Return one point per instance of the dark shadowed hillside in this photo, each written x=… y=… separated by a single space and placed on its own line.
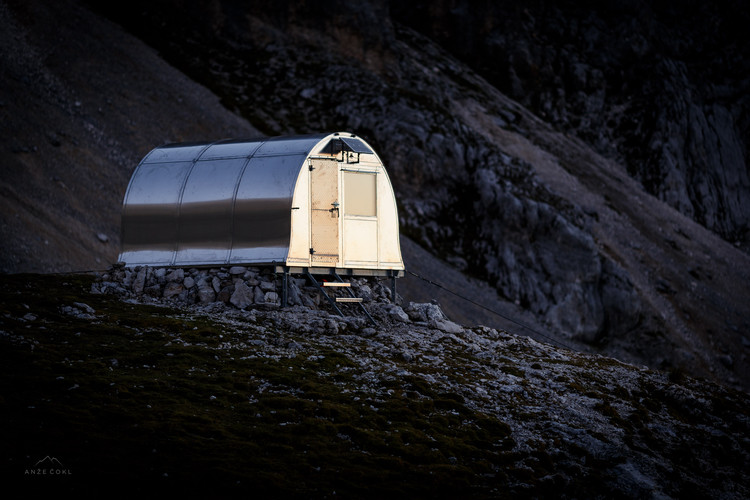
x=543 y=168
x=483 y=183
x=110 y=391
x=81 y=103
x=558 y=231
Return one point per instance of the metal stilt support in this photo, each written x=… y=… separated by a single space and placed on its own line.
x=285 y=287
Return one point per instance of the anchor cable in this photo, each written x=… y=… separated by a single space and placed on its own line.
x=531 y=329
x=438 y=285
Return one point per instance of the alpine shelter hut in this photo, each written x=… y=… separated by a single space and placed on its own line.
x=316 y=204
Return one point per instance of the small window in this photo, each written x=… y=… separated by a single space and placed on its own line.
x=360 y=192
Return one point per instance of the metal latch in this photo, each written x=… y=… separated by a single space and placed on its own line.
x=335 y=207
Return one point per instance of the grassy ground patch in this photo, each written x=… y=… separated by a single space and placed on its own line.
x=138 y=397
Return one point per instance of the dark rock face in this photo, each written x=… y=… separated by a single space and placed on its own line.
x=662 y=88
x=462 y=196
x=482 y=183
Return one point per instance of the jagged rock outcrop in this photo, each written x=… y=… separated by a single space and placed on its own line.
x=664 y=89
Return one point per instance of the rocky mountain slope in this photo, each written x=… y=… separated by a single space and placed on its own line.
x=144 y=383
x=662 y=89
x=557 y=230
x=81 y=103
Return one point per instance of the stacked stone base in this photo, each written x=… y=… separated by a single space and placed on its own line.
x=243 y=288
x=238 y=286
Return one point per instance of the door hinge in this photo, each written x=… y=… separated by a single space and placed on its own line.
x=312 y=251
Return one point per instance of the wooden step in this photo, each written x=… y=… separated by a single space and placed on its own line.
x=348 y=299
x=336 y=283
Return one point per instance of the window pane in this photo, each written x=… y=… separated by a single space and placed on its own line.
x=359 y=189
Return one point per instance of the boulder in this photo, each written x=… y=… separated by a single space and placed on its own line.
x=294 y=298
x=242 y=296
x=206 y=292
x=447 y=326
x=396 y=313
x=365 y=292
x=176 y=275
x=425 y=312
x=225 y=294
x=139 y=282
x=172 y=289
x=159 y=275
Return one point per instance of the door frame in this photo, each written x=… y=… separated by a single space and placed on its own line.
x=333 y=163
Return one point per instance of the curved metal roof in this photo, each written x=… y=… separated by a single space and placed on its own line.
x=218 y=203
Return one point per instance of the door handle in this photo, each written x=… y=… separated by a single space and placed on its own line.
x=335 y=207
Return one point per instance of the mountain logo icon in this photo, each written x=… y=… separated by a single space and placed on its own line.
x=48 y=466
x=49 y=462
